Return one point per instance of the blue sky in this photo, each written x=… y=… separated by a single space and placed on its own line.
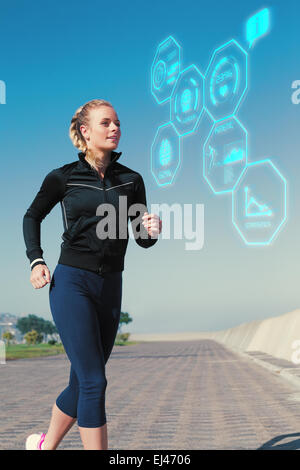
x=55 y=56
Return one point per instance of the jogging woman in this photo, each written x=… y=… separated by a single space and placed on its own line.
x=97 y=195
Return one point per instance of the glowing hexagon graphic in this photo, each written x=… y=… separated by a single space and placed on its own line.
x=187 y=100
x=259 y=203
x=165 y=69
x=165 y=154
x=226 y=80
x=225 y=154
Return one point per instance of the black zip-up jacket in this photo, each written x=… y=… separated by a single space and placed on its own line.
x=80 y=190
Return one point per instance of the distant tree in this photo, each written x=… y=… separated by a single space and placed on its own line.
x=7 y=336
x=49 y=328
x=39 y=324
x=124 y=318
x=33 y=337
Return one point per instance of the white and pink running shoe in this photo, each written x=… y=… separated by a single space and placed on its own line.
x=35 y=441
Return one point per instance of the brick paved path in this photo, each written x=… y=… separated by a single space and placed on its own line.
x=161 y=395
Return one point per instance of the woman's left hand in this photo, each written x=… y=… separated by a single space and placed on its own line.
x=152 y=223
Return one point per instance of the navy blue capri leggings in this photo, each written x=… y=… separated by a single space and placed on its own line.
x=86 y=310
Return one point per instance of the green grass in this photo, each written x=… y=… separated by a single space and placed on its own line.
x=22 y=351
x=126 y=343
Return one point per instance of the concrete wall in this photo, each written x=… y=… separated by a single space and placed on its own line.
x=273 y=335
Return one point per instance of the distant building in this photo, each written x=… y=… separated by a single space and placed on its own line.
x=8 y=322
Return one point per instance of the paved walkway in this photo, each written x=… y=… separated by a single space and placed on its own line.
x=162 y=395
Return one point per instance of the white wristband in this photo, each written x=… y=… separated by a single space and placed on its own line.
x=37 y=259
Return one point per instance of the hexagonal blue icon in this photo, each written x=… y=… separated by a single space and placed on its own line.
x=259 y=203
x=165 y=69
x=165 y=154
x=226 y=80
x=225 y=155
x=187 y=100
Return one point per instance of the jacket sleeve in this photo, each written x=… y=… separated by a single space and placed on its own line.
x=50 y=193
x=141 y=235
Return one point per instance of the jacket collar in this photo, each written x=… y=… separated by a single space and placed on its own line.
x=114 y=157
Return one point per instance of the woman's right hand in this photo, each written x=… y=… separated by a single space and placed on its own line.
x=37 y=276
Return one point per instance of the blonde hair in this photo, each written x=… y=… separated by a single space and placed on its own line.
x=82 y=117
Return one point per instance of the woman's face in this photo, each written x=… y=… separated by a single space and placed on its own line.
x=103 y=132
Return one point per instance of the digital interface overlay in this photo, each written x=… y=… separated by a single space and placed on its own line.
x=258 y=189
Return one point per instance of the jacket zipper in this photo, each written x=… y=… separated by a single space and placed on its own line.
x=105 y=199
x=103 y=180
